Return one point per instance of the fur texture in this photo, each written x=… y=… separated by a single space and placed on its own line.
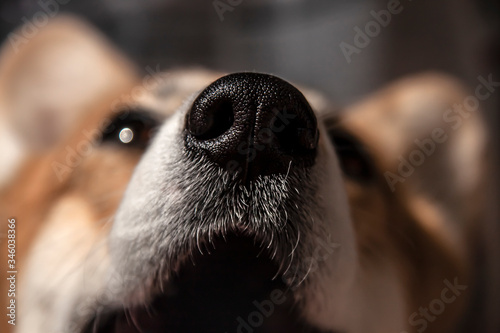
x=103 y=228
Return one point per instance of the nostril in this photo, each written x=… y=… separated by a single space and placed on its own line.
x=295 y=137
x=211 y=122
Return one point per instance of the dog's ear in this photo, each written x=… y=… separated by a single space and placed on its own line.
x=51 y=74
x=426 y=137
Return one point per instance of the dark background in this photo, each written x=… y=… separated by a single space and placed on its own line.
x=299 y=40
x=296 y=39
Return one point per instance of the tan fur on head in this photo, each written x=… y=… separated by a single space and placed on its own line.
x=49 y=80
x=412 y=113
x=49 y=84
x=439 y=199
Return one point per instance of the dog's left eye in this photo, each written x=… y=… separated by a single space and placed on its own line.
x=131 y=129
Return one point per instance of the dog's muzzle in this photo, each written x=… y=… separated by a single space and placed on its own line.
x=255 y=124
x=233 y=212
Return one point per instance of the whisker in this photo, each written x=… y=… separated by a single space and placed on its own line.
x=96 y=322
x=135 y=322
x=198 y=241
x=307 y=273
x=287 y=173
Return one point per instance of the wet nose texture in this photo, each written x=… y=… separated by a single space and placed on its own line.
x=253 y=124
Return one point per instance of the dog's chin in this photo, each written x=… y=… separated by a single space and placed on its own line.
x=233 y=283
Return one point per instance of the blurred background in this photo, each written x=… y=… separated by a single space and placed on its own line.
x=314 y=42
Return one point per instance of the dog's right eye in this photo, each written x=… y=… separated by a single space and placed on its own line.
x=131 y=129
x=354 y=160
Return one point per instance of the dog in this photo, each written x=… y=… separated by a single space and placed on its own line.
x=198 y=201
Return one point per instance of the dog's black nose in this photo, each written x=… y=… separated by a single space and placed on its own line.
x=254 y=123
